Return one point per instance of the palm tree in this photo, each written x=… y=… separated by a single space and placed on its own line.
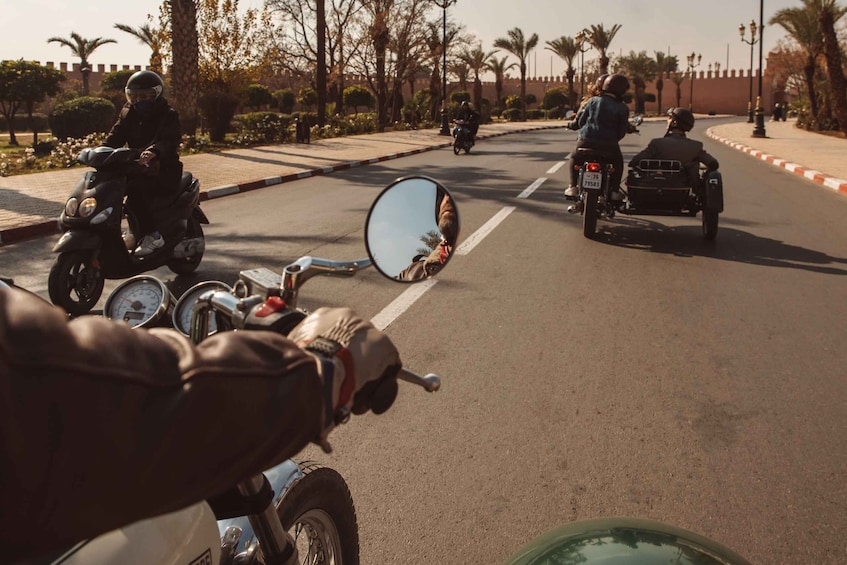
x=802 y=25
x=82 y=48
x=828 y=15
x=677 y=78
x=600 y=39
x=185 y=71
x=520 y=47
x=477 y=59
x=664 y=64
x=640 y=68
x=150 y=37
x=499 y=68
x=567 y=49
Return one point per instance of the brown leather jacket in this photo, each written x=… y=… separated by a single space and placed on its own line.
x=101 y=425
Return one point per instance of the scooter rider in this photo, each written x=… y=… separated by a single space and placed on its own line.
x=103 y=425
x=676 y=146
x=148 y=123
x=603 y=123
x=470 y=116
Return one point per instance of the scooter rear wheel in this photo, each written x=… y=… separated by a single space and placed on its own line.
x=187 y=265
x=75 y=283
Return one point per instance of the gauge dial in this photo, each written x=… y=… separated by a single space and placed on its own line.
x=141 y=301
x=182 y=310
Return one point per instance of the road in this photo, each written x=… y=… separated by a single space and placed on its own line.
x=648 y=373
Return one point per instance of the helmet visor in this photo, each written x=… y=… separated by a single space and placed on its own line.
x=135 y=95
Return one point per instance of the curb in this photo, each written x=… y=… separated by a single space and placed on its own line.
x=48 y=227
x=836 y=184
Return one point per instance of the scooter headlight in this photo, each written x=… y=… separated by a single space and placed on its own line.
x=87 y=207
x=71 y=206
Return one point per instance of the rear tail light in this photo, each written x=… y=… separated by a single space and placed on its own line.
x=592 y=167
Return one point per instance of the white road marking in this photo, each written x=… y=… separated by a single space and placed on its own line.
x=531 y=188
x=556 y=167
x=401 y=304
x=471 y=242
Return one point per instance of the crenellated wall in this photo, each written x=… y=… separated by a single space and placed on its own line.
x=724 y=92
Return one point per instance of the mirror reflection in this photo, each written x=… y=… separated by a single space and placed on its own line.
x=412 y=229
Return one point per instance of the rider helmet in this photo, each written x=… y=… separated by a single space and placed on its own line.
x=144 y=87
x=616 y=84
x=600 y=80
x=681 y=118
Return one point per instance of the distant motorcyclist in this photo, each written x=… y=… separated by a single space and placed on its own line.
x=603 y=123
x=148 y=123
x=596 y=90
x=470 y=116
x=674 y=145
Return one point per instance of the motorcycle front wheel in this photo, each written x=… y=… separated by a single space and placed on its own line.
x=74 y=282
x=456 y=147
x=318 y=513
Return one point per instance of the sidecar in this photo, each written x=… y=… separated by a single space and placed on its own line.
x=665 y=187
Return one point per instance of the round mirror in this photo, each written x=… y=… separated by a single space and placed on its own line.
x=412 y=229
x=637 y=120
x=569 y=114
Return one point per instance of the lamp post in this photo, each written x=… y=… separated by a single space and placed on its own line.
x=753 y=41
x=759 y=129
x=445 y=127
x=581 y=38
x=691 y=66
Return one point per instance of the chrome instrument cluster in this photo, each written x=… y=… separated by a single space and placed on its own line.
x=142 y=302
x=182 y=310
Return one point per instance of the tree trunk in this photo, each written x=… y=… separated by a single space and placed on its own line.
x=832 y=53
x=571 y=94
x=477 y=94
x=660 y=84
x=320 y=78
x=604 y=63
x=523 y=91
x=185 y=72
x=809 y=72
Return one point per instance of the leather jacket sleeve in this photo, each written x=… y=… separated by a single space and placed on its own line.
x=102 y=425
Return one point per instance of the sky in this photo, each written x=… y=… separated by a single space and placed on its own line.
x=676 y=27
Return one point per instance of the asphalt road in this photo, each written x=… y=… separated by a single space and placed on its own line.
x=648 y=373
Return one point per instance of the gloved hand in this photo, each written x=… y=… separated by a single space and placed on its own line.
x=358 y=363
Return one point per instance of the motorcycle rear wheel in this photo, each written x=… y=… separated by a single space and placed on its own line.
x=74 y=283
x=318 y=513
x=710 y=225
x=589 y=215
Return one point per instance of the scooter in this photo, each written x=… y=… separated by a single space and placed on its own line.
x=297 y=512
x=462 y=135
x=95 y=246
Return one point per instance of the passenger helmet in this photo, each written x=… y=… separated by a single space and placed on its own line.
x=616 y=84
x=681 y=118
x=143 y=86
x=600 y=80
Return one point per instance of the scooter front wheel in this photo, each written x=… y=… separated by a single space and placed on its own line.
x=318 y=513
x=187 y=265
x=75 y=283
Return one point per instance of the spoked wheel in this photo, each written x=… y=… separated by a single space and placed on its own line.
x=318 y=513
x=710 y=225
x=186 y=265
x=589 y=215
x=75 y=283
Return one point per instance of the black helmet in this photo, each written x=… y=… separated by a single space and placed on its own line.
x=600 y=80
x=681 y=118
x=616 y=84
x=465 y=104
x=143 y=85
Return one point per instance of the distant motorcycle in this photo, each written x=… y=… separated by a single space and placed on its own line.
x=463 y=140
x=95 y=246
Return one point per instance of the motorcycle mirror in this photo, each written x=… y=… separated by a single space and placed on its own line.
x=569 y=114
x=637 y=120
x=412 y=229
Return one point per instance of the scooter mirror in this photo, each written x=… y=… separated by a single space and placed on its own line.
x=637 y=120
x=412 y=229
x=569 y=114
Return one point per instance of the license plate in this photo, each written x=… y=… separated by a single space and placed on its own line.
x=592 y=180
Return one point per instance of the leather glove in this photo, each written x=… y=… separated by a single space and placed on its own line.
x=357 y=363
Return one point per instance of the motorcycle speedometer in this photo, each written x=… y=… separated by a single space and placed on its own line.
x=185 y=304
x=142 y=302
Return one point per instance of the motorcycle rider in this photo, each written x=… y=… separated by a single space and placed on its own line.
x=148 y=123
x=103 y=425
x=596 y=90
x=470 y=117
x=603 y=123
x=423 y=266
x=676 y=146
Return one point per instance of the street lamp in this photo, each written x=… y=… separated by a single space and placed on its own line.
x=759 y=129
x=445 y=127
x=691 y=66
x=753 y=41
x=581 y=39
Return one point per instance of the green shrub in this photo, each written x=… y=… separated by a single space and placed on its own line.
x=265 y=127
x=285 y=100
x=556 y=97
x=21 y=122
x=357 y=95
x=513 y=101
x=217 y=108
x=81 y=116
x=460 y=96
x=535 y=114
x=512 y=114
x=258 y=95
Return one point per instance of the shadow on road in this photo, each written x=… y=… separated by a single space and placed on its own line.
x=730 y=245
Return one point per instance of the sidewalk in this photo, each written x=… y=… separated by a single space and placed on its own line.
x=30 y=204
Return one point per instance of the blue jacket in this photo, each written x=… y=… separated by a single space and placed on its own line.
x=603 y=120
